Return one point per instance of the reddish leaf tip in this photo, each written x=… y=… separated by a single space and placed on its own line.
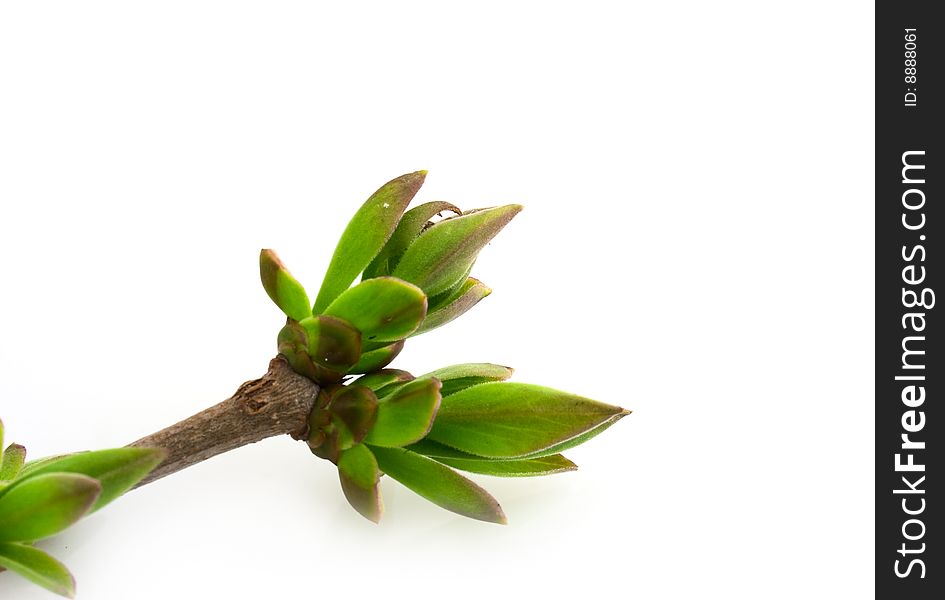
x=270 y=254
x=414 y=179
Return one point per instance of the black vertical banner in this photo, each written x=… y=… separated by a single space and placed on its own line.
x=910 y=373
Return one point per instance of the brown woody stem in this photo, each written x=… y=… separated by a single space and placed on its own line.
x=277 y=403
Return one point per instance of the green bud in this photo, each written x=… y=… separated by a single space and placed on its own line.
x=341 y=421
x=285 y=291
x=443 y=254
x=411 y=225
x=333 y=343
x=293 y=345
x=356 y=408
x=321 y=348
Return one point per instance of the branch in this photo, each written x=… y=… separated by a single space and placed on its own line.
x=277 y=403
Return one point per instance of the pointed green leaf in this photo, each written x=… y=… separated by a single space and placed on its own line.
x=12 y=461
x=449 y=455
x=506 y=420
x=406 y=415
x=36 y=463
x=37 y=567
x=471 y=292
x=44 y=505
x=116 y=469
x=366 y=234
x=333 y=343
x=371 y=346
x=379 y=358
x=428 y=447
x=460 y=377
x=441 y=256
x=378 y=380
x=529 y=467
x=285 y=291
x=359 y=474
x=450 y=294
x=384 y=309
x=411 y=225
x=577 y=440
x=439 y=484
x=355 y=406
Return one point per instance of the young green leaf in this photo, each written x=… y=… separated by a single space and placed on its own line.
x=372 y=360
x=471 y=292
x=37 y=567
x=44 y=505
x=428 y=447
x=411 y=225
x=460 y=377
x=546 y=463
x=508 y=420
x=577 y=440
x=406 y=415
x=36 y=463
x=441 y=256
x=366 y=234
x=116 y=469
x=359 y=474
x=12 y=461
x=384 y=309
x=378 y=380
x=355 y=408
x=529 y=467
x=285 y=291
x=439 y=484
x=450 y=294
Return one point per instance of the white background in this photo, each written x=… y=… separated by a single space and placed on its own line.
x=696 y=246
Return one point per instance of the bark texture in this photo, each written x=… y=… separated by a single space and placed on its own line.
x=277 y=403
